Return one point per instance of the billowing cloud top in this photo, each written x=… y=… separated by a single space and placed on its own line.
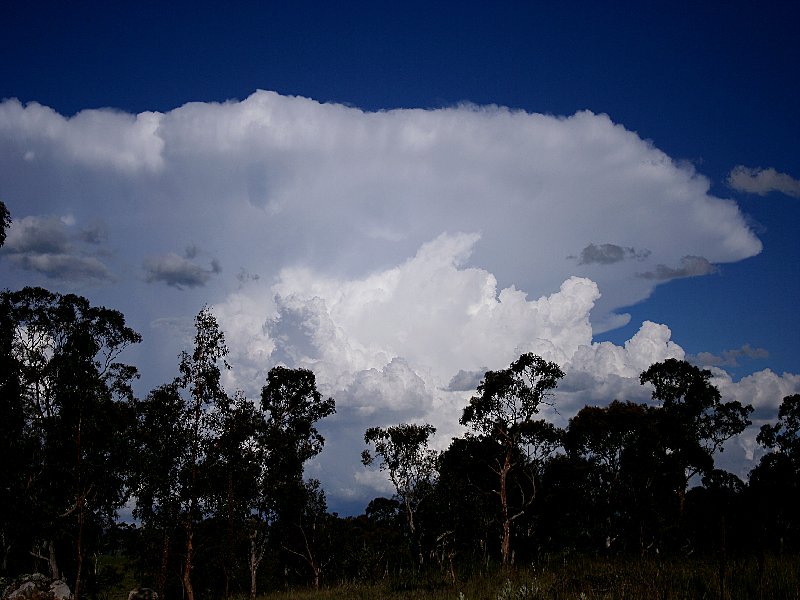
x=398 y=253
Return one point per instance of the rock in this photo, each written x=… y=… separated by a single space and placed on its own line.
x=142 y=594
x=36 y=587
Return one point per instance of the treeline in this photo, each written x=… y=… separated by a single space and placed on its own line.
x=222 y=506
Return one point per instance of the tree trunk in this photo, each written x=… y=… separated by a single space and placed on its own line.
x=256 y=554
x=228 y=559
x=187 y=568
x=162 y=575
x=51 y=548
x=253 y=573
x=505 y=547
x=79 y=543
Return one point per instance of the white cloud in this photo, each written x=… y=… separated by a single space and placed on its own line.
x=96 y=138
x=397 y=253
x=763 y=181
x=432 y=310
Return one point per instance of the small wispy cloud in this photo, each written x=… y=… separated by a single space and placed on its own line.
x=691 y=266
x=608 y=254
x=763 y=181
x=179 y=271
x=48 y=245
x=728 y=358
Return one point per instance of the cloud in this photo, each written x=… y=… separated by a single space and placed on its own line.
x=49 y=246
x=431 y=307
x=608 y=254
x=399 y=253
x=96 y=138
x=466 y=381
x=178 y=271
x=729 y=358
x=763 y=181
x=691 y=266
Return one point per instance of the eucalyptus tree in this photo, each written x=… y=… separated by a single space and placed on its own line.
x=291 y=405
x=504 y=410
x=694 y=423
x=160 y=443
x=233 y=468
x=69 y=399
x=610 y=439
x=200 y=377
x=310 y=540
x=775 y=481
x=5 y=222
x=402 y=451
x=178 y=426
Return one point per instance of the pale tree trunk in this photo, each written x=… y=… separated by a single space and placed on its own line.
x=413 y=529
x=187 y=567
x=505 y=547
x=256 y=555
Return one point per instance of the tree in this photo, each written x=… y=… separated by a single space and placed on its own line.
x=160 y=443
x=69 y=399
x=5 y=223
x=694 y=422
x=404 y=453
x=291 y=406
x=311 y=543
x=200 y=374
x=609 y=438
x=632 y=470
x=234 y=466
x=504 y=410
x=775 y=482
x=463 y=512
x=784 y=436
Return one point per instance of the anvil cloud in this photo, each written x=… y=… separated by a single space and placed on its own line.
x=398 y=253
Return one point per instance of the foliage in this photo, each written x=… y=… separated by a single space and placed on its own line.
x=66 y=404
x=404 y=453
x=5 y=222
x=504 y=408
x=602 y=509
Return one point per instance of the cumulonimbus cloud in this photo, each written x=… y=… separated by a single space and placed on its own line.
x=398 y=253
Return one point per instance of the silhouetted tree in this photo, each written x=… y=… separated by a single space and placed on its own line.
x=160 y=441
x=291 y=406
x=70 y=401
x=411 y=465
x=694 y=422
x=5 y=222
x=775 y=482
x=613 y=440
x=504 y=409
x=233 y=468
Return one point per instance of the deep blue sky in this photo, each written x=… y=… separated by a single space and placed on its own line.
x=714 y=83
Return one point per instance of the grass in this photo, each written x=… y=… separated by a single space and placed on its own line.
x=588 y=579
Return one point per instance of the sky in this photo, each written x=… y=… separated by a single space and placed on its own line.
x=401 y=196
